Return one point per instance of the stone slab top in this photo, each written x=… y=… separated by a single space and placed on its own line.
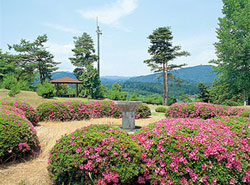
x=128 y=106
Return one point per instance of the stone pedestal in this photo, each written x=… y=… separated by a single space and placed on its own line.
x=128 y=109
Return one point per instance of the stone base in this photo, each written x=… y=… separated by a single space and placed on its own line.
x=128 y=120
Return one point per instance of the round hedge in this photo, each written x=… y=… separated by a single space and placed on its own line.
x=18 y=137
x=193 y=151
x=97 y=154
x=29 y=111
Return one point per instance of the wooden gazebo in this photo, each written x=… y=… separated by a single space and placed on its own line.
x=66 y=80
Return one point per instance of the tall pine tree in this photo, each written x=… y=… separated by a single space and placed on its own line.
x=33 y=57
x=163 y=51
x=83 y=54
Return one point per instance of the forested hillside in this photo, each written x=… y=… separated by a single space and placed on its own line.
x=150 y=84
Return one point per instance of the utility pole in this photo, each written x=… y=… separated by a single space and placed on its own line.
x=99 y=32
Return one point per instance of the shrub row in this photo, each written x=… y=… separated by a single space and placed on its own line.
x=65 y=111
x=172 y=151
x=29 y=111
x=18 y=137
x=203 y=110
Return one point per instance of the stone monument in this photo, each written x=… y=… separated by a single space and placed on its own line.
x=128 y=109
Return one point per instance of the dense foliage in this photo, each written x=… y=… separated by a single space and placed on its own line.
x=201 y=110
x=18 y=137
x=46 y=90
x=96 y=154
x=193 y=151
x=29 y=112
x=233 y=48
x=33 y=58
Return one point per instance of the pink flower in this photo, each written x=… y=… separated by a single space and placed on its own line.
x=232 y=181
x=141 y=180
x=204 y=166
x=81 y=166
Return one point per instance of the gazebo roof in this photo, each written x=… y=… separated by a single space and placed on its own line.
x=66 y=80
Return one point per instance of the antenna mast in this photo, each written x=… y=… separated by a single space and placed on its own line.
x=99 y=32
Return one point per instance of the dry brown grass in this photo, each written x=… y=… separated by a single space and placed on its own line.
x=34 y=172
x=32 y=98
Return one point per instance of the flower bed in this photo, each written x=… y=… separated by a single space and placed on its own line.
x=18 y=137
x=201 y=110
x=97 y=154
x=193 y=151
x=65 y=111
x=29 y=111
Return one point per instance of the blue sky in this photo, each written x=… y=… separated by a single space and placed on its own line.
x=125 y=25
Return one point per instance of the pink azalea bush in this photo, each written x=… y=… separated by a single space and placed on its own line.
x=29 y=111
x=98 y=155
x=201 y=110
x=194 y=151
x=65 y=111
x=62 y=111
x=18 y=137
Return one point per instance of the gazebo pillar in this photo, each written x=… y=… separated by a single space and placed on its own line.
x=76 y=90
x=56 y=87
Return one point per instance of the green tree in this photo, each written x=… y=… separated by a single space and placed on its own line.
x=46 y=90
x=91 y=81
x=32 y=57
x=116 y=92
x=163 y=52
x=134 y=97
x=83 y=54
x=222 y=93
x=7 y=66
x=204 y=93
x=233 y=46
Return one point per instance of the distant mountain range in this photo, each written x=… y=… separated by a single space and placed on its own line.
x=196 y=74
x=149 y=84
x=201 y=73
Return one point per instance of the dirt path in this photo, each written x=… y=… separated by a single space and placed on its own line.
x=34 y=172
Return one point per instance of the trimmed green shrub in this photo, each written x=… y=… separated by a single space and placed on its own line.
x=142 y=112
x=160 y=109
x=18 y=137
x=97 y=154
x=46 y=90
x=193 y=151
x=14 y=91
x=29 y=111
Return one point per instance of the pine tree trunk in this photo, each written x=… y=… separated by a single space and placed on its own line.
x=41 y=78
x=164 y=83
x=244 y=96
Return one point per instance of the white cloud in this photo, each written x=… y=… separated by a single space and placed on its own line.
x=111 y=13
x=62 y=52
x=62 y=28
